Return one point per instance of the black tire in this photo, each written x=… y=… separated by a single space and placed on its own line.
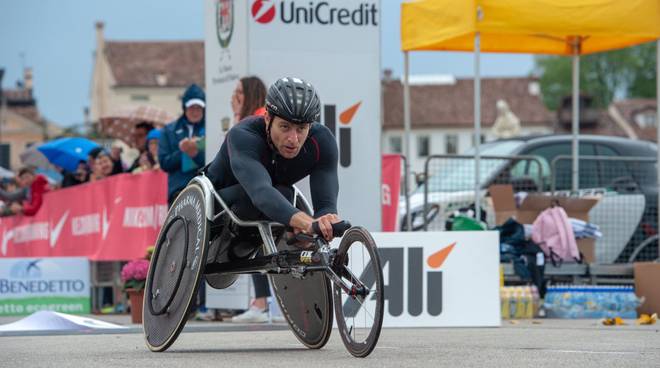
x=357 y=253
x=176 y=269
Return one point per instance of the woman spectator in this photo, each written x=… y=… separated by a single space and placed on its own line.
x=102 y=167
x=248 y=98
x=81 y=175
x=149 y=159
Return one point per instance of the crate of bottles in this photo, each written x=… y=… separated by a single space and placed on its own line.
x=519 y=302
x=591 y=301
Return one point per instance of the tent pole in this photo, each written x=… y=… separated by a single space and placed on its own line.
x=576 y=113
x=477 y=125
x=406 y=133
x=657 y=126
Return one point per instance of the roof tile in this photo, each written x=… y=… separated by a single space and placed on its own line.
x=451 y=105
x=138 y=64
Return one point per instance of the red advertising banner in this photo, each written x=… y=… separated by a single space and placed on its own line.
x=391 y=182
x=110 y=220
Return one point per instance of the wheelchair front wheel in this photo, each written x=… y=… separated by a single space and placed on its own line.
x=359 y=312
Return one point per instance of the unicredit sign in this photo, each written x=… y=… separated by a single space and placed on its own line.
x=310 y=12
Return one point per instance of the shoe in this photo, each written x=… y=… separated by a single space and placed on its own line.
x=252 y=315
x=205 y=316
x=277 y=319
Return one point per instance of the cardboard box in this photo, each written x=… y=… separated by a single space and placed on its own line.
x=504 y=206
x=647 y=275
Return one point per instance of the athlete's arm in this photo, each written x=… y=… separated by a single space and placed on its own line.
x=324 y=183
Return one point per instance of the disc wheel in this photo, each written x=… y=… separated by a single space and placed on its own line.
x=306 y=306
x=359 y=312
x=176 y=268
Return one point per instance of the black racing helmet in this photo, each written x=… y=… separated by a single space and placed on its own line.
x=294 y=100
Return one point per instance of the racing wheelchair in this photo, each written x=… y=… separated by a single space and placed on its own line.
x=306 y=282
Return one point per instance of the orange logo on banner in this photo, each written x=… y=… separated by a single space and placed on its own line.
x=436 y=259
x=347 y=115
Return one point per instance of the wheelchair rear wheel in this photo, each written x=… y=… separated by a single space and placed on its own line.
x=176 y=268
x=306 y=305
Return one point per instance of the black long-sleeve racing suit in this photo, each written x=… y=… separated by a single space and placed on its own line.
x=248 y=168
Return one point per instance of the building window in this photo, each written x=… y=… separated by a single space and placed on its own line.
x=451 y=144
x=139 y=97
x=395 y=144
x=645 y=119
x=423 y=143
x=482 y=140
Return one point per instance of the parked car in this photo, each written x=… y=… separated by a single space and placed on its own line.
x=450 y=182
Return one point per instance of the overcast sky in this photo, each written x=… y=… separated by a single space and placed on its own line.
x=56 y=39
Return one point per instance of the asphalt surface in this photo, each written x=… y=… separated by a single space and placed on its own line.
x=542 y=343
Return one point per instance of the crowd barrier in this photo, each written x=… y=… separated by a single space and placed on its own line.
x=114 y=219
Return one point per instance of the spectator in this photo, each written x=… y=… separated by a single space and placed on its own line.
x=140 y=133
x=115 y=156
x=9 y=193
x=181 y=144
x=81 y=175
x=149 y=158
x=103 y=166
x=248 y=99
x=36 y=185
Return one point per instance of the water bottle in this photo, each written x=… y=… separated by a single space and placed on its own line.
x=504 y=301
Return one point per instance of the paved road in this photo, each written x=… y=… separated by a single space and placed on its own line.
x=548 y=343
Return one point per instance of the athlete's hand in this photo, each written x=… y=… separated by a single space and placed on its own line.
x=325 y=224
x=301 y=223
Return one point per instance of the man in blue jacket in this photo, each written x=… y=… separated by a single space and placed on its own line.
x=181 y=145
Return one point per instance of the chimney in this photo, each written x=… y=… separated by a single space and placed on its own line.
x=387 y=75
x=100 y=40
x=27 y=79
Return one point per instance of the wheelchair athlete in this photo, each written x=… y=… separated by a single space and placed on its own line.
x=263 y=156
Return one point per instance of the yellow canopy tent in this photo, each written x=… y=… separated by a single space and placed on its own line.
x=561 y=27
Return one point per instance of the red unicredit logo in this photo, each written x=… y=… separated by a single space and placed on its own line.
x=321 y=13
x=263 y=11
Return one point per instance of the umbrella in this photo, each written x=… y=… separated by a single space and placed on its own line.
x=67 y=152
x=33 y=157
x=121 y=123
x=5 y=174
x=53 y=176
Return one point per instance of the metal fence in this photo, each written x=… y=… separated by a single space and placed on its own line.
x=627 y=188
x=627 y=210
x=449 y=186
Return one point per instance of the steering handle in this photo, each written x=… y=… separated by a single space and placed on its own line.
x=338 y=230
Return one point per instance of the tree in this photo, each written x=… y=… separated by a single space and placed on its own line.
x=625 y=73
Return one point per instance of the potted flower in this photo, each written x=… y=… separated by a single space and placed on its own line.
x=134 y=276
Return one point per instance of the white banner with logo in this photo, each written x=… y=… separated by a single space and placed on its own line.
x=439 y=279
x=335 y=46
x=28 y=285
x=226 y=61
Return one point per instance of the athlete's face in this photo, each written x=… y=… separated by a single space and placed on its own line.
x=287 y=137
